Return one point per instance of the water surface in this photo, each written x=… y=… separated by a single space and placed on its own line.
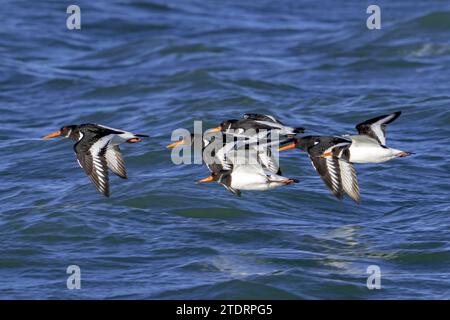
x=154 y=67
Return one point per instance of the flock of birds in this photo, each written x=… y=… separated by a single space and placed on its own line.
x=97 y=149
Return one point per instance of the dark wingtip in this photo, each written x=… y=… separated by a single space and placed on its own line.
x=299 y=130
x=340 y=196
x=397 y=114
x=142 y=135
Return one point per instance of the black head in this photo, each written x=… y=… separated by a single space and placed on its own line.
x=307 y=142
x=221 y=176
x=70 y=131
x=303 y=143
x=227 y=124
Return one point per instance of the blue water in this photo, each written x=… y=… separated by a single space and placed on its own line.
x=153 y=67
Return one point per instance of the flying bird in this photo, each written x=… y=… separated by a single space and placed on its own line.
x=335 y=169
x=253 y=123
x=255 y=170
x=248 y=177
x=222 y=148
x=369 y=145
x=235 y=169
x=332 y=156
x=97 y=149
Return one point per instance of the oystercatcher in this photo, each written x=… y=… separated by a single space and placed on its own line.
x=97 y=149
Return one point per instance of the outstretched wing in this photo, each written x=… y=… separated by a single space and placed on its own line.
x=376 y=127
x=115 y=161
x=232 y=152
x=349 y=180
x=91 y=157
x=223 y=156
x=329 y=170
x=232 y=190
x=110 y=130
x=330 y=158
x=262 y=117
x=268 y=161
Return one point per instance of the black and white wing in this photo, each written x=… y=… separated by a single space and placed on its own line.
x=91 y=157
x=224 y=156
x=111 y=130
x=232 y=190
x=256 y=145
x=331 y=167
x=262 y=117
x=115 y=161
x=329 y=170
x=268 y=161
x=268 y=122
x=349 y=180
x=376 y=127
x=340 y=147
x=230 y=152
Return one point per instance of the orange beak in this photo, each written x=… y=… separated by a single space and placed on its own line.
x=328 y=154
x=173 y=145
x=52 y=135
x=209 y=179
x=218 y=129
x=289 y=146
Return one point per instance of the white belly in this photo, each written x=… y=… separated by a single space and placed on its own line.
x=253 y=177
x=368 y=151
x=249 y=178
